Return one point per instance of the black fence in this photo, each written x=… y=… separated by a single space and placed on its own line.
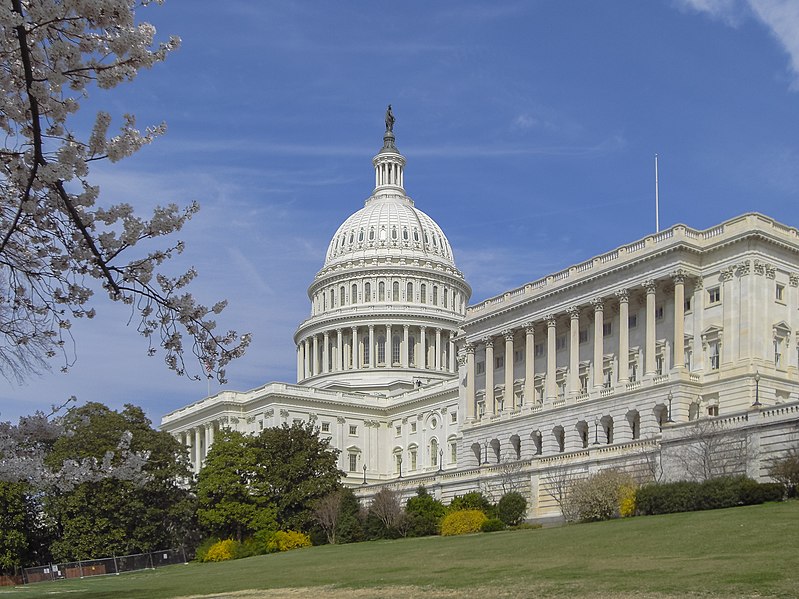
x=103 y=566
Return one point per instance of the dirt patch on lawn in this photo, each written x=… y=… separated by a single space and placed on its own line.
x=397 y=592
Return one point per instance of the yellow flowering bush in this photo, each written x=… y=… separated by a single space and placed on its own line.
x=286 y=540
x=627 y=501
x=461 y=522
x=220 y=551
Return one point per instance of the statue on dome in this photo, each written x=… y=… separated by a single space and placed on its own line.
x=390 y=119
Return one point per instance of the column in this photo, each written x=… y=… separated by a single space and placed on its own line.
x=422 y=358
x=389 y=347
x=315 y=354
x=574 y=351
x=339 y=349
x=371 y=346
x=197 y=451
x=599 y=354
x=489 y=386
x=529 y=363
x=438 y=349
x=210 y=436
x=356 y=353
x=404 y=348
x=299 y=362
x=624 y=335
x=679 y=319
x=307 y=355
x=551 y=385
x=451 y=352
x=470 y=399
x=509 y=397
x=326 y=352
x=649 y=351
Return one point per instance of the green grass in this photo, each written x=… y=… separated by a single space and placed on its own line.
x=741 y=552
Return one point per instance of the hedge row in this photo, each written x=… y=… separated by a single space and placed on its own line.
x=686 y=496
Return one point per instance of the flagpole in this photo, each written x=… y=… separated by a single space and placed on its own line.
x=657 y=206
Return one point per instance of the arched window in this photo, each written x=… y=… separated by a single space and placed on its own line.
x=341 y=295
x=434 y=452
x=382 y=233
x=367 y=292
x=381 y=291
x=445 y=297
x=352 y=237
x=332 y=298
x=394 y=233
x=415 y=234
x=354 y=294
x=560 y=438
x=405 y=233
x=395 y=291
x=371 y=234
x=366 y=350
x=435 y=295
x=411 y=352
x=324 y=301
x=423 y=293
x=360 y=236
x=395 y=349
x=409 y=293
x=381 y=349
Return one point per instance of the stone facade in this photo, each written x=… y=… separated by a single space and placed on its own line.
x=614 y=362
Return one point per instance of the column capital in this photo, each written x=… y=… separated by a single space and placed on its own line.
x=598 y=304
x=623 y=295
x=679 y=276
x=406 y=326
x=529 y=327
x=339 y=330
x=508 y=334
x=649 y=285
x=574 y=312
x=488 y=342
x=469 y=348
x=439 y=329
x=462 y=359
x=551 y=320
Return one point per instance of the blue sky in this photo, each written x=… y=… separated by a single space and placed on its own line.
x=529 y=128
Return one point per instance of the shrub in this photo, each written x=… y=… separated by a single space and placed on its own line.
x=785 y=471
x=492 y=525
x=286 y=540
x=512 y=508
x=687 y=496
x=461 y=522
x=627 y=501
x=599 y=497
x=221 y=551
x=425 y=513
x=202 y=548
x=472 y=501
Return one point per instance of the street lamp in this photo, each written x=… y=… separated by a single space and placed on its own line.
x=670 y=398
x=485 y=445
x=757 y=403
x=399 y=461
x=596 y=430
x=440 y=459
x=364 y=475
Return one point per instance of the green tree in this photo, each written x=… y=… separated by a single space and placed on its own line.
x=425 y=513
x=474 y=500
x=228 y=507
x=112 y=515
x=512 y=508
x=16 y=525
x=280 y=473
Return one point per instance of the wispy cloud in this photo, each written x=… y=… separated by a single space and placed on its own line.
x=781 y=17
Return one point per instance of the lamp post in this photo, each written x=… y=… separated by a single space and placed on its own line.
x=757 y=390
x=364 y=475
x=399 y=461
x=485 y=445
x=440 y=459
x=596 y=430
x=670 y=398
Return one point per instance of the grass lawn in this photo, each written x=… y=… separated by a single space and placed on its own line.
x=748 y=551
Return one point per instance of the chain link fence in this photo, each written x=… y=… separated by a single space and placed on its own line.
x=106 y=565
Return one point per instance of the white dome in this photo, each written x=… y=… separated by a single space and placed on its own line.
x=391 y=224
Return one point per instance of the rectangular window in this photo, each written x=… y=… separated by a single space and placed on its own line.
x=780 y=293
x=453 y=417
x=583 y=335
x=518 y=356
x=260 y=425
x=500 y=360
x=413 y=427
x=714 y=355
x=353 y=429
x=397 y=462
x=777 y=353
x=659 y=313
x=632 y=321
x=560 y=343
x=325 y=427
x=480 y=368
x=583 y=383
x=607 y=329
x=453 y=453
x=714 y=295
x=413 y=459
x=539 y=350
x=398 y=430
x=659 y=364
x=687 y=304
x=353 y=462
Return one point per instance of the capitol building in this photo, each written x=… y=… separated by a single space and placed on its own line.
x=620 y=361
